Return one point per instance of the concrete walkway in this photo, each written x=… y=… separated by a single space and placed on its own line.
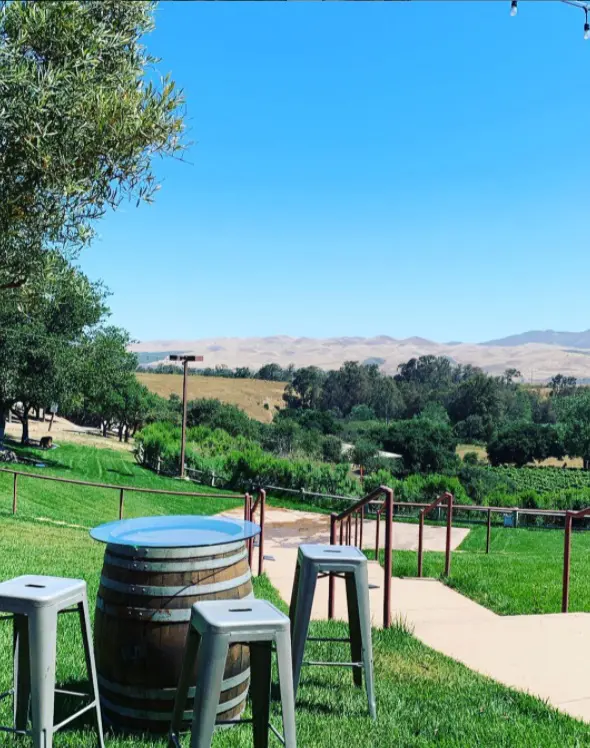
x=545 y=655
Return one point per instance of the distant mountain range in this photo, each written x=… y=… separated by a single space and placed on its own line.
x=546 y=337
x=539 y=355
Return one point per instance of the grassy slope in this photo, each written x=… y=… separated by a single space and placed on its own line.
x=89 y=506
x=249 y=394
x=424 y=699
x=521 y=575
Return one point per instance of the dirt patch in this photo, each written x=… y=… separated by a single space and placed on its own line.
x=63 y=430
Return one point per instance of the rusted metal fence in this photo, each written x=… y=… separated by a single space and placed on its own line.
x=382 y=497
x=250 y=505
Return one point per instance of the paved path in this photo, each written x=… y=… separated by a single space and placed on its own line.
x=546 y=655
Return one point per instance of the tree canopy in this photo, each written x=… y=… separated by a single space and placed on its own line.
x=81 y=118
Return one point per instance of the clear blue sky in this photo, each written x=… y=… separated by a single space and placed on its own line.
x=417 y=168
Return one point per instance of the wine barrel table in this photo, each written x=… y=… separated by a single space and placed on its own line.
x=154 y=570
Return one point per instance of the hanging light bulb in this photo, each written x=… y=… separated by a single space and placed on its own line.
x=586 y=26
x=513 y=8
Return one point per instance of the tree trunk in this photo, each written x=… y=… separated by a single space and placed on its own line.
x=2 y=425
x=105 y=429
x=120 y=430
x=126 y=434
x=25 y=422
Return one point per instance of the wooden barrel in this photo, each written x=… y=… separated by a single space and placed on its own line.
x=142 y=616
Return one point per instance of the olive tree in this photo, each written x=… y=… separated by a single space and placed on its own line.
x=81 y=118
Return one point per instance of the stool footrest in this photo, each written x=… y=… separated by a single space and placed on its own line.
x=316 y=663
x=341 y=639
x=6 y=694
x=79 y=713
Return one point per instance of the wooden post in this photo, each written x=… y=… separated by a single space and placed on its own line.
x=420 y=534
x=15 y=493
x=489 y=531
x=566 y=562
x=262 y=500
x=356 y=528
x=183 y=433
x=121 y=502
x=388 y=557
x=331 y=579
x=449 y=534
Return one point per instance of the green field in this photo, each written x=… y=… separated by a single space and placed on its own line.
x=521 y=575
x=424 y=699
x=87 y=506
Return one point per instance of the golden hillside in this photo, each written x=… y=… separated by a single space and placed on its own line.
x=252 y=395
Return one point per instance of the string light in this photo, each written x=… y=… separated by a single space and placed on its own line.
x=513 y=8
x=585 y=8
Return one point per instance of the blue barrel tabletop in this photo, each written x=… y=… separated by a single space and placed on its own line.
x=155 y=569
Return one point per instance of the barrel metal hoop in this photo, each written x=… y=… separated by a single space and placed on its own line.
x=171 y=553
x=187 y=591
x=157 y=615
x=153 y=716
x=173 y=567
x=166 y=694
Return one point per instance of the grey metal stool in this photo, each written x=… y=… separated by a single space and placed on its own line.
x=316 y=561
x=214 y=626
x=34 y=603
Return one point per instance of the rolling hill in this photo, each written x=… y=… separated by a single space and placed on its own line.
x=538 y=360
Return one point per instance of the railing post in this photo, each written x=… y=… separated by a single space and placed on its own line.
x=246 y=507
x=420 y=534
x=388 y=557
x=121 y=501
x=349 y=530
x=356 y=529
x=362 y=519
x=262 y=500
x=377 y=535
x=449 y=534
x=15 y=493
x=331 y=578
x=489 y=531
x=566 y=562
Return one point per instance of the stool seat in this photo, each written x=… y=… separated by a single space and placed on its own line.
x=35 y=591
x=314 y=561
x=34 y=603
x=215 y=625
x=238 y=617
x=332 y=554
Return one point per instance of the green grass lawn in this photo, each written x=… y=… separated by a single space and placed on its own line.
x=423 y=698
x=521 y=575
x=89 y=506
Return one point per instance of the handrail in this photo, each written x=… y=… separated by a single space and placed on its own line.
x=362 y=502
x=249 y=507
x=359 y=511
x=567 y=551
x=448 y=498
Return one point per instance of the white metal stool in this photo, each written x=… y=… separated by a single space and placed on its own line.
x=34 y=603
x=216 y=624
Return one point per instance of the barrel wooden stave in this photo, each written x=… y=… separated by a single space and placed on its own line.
x=140 y=636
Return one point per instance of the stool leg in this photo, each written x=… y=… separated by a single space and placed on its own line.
x=260 y=679
x=210 y=666
x=283 y=645
x=188 y=662
x=22 y=671
x=364 y=613
x=354 y=623
x=295 y=591
x=308 y=577
x=90 y=664
x=42 y=641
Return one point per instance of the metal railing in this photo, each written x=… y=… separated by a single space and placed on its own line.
x=250 y=505
x=444 y=498
x=345 y=536
x=567 y=550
